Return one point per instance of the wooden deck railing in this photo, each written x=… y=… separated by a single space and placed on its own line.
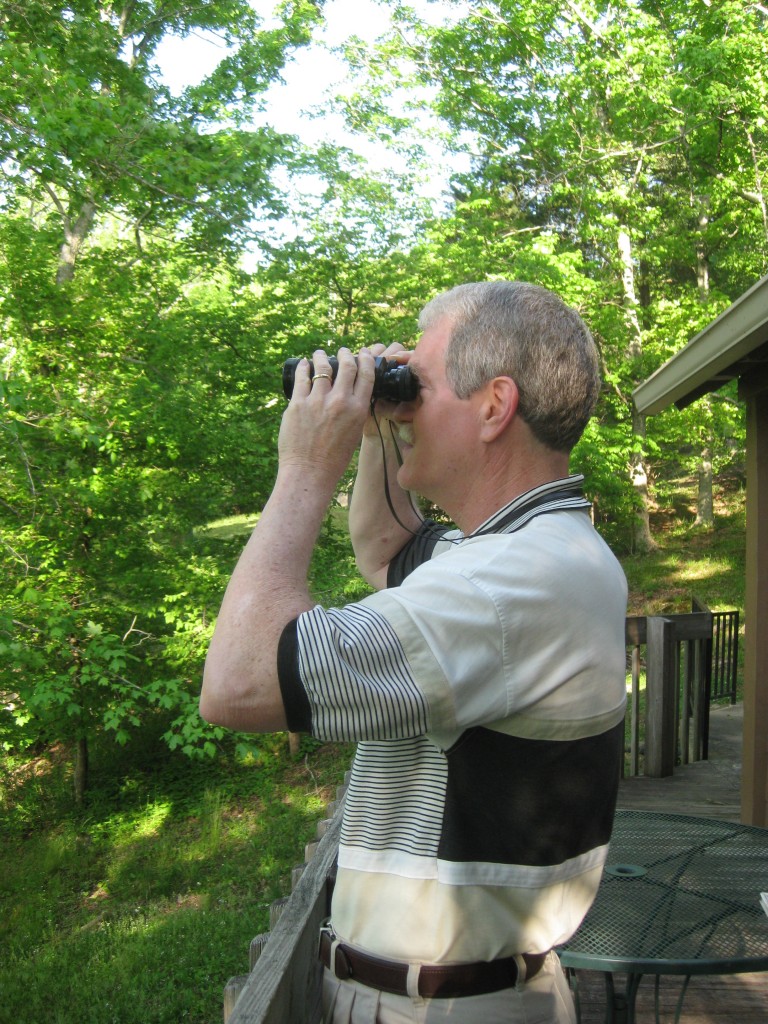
x=668 y=720
x=686 y=662
x=724 y=656
x=284 y=983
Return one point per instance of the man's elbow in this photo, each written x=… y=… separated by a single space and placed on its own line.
x=374 y=574
x=215 y=705
x=226 y=691
x=242 y=708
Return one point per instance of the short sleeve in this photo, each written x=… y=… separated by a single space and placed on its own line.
x=356 y=677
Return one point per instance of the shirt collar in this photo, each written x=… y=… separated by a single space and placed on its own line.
x=553 y=496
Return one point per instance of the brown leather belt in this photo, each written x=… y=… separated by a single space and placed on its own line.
x=438 y=981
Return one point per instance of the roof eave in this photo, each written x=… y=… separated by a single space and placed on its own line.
x=709 y=359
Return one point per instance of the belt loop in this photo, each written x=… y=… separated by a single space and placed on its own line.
x=412 y=980
x=329 y=933
x=522 y=969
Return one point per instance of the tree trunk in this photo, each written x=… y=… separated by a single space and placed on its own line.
x=75 y=234
x=641 y=538
x=81 y=769
x=705 y=507
x=760 y=195
x=705 y=503
x=642 y=541
x=702 y=259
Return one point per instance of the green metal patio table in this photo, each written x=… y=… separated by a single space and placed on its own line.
x=680 y=895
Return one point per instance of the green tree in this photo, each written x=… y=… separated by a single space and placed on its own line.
x=634 y=133
x=348 y=276
x=135 y=384
x=135 y=411
x=88 y=129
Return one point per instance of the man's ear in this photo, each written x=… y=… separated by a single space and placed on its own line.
x=499 y=407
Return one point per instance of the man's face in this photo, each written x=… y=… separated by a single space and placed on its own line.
x=437 y=432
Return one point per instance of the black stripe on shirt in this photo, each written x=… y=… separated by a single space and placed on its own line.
x=511 y=800
x=298 y=712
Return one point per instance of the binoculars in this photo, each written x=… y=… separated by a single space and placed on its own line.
x=394 y=382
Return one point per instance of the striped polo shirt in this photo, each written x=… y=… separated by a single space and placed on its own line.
x=486 y=690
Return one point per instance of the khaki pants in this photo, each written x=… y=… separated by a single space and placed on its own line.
x=546 y=999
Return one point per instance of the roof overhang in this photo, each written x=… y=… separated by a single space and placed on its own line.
x=731 y=346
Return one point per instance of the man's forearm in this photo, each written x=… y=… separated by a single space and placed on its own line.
x=376 y=535
x=267 y=590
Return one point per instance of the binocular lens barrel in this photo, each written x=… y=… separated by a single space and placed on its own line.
x=394 y=382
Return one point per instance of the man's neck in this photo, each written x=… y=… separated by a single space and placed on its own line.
x=505 y=482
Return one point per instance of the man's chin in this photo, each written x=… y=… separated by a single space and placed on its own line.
x=404 y=478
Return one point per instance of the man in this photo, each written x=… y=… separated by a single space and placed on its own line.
x=484 y=680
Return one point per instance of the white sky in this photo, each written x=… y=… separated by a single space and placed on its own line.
x=308 y=78
x=311 y=77
x=186 y=61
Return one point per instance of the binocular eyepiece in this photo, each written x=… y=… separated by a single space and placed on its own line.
x=393 y=381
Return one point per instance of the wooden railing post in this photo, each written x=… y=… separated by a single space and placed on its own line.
x=635 y=638
x=661 y=698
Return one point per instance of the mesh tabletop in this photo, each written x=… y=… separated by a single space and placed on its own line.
x=679 y=895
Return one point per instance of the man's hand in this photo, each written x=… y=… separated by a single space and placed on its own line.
x=376 y=534
x=324 y=420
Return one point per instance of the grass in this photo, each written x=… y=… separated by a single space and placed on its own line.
x=138 y=907
x=691 y=560
x=688 y=561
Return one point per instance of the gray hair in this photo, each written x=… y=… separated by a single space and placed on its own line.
x=523 y=331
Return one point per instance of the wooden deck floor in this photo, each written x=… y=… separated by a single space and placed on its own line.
x=710 y=789
x=729 y=999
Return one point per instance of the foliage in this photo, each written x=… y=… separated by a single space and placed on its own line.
x=135 y=385
x=134 y=405
x=89 y=130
